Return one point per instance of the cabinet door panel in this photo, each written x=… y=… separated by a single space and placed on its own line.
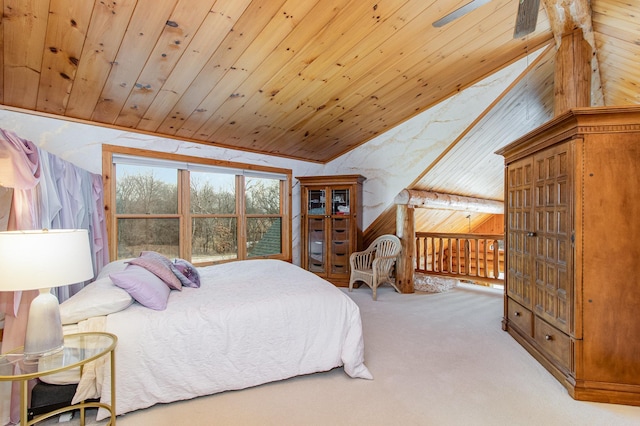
x=340 y=232
x=316 y=199
x=519 y=219
x=553 y=229
x=316 y=250
x=340 y=201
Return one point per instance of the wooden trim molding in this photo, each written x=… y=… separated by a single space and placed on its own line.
x=109 y=195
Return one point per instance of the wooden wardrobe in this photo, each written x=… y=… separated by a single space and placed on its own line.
x=331 y=224
x=572 y=234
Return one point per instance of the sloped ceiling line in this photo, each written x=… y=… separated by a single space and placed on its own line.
x=481 y=168
x=534 y=64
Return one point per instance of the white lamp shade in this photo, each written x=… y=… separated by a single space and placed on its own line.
x=32 y=260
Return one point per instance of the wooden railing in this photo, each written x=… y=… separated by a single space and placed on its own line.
x=473 y=257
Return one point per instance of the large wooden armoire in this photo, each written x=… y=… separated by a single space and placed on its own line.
x=572 y=234
x=331 y=224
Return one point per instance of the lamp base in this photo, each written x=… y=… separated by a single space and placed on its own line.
x=44 y=327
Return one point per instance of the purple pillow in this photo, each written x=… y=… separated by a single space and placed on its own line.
x=144 y=286
x=159 y=269
x=186 y=273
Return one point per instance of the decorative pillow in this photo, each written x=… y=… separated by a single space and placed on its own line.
x=100 y=297
x=159 y=269
x=186 y=273
x=156 y=256
x=111 y=267
x=144 y=286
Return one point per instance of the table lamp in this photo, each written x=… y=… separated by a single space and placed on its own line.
x=39 y=260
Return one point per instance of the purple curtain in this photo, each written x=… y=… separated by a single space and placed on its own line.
x=52 y=193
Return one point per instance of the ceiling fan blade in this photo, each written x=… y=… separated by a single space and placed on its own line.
x=472 y=5
x=527 y=17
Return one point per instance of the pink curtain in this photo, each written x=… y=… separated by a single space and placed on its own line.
x=48 y=192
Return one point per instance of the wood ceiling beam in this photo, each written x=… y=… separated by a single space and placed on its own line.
x=565 y=17
x=438 y=200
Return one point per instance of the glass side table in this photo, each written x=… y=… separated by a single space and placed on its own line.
x=79 y=349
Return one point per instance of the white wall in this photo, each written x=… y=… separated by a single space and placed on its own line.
x=390 y=161
x=81 y=144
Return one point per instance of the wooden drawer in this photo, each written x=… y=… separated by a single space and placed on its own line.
x=340 y=246
x=554 y=343
x=340 y=259
x=340 y=224
x=519 y=317
x=340 y=255
x=340 y=234
x=340 y=268
x=316 y=223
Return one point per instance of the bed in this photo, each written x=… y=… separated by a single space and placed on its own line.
x=250 y=322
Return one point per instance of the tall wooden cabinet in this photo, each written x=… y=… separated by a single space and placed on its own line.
x=572 y=213
x=331 y=224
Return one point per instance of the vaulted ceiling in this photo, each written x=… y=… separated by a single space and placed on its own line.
x=307 y=79
x=304 y=79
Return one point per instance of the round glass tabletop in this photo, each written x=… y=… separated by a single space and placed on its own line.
x=78 y=349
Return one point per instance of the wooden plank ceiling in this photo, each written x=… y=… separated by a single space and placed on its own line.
x=305 y=79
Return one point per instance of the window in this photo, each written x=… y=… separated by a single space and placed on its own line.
x=205 y=211
x=264 y=224
x=214 y=222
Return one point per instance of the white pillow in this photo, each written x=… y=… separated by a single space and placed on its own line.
x=101 y=297
x=111 y=267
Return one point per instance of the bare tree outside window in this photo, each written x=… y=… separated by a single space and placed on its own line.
x=205 y=213
x=214 y=224
x=262 y=196
x=142 y=192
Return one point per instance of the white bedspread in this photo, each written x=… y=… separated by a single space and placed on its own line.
x=251 y=322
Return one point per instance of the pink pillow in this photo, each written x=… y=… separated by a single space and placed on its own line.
x=144 y=286
x=159 y=268
x=156 y=256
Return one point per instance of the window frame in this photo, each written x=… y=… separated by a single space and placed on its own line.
x=184 y=212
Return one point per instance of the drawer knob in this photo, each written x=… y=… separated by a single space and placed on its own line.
x=548 y=337
x=516 y=314
x=531 y=234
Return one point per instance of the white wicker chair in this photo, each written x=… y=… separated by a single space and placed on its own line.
x=374 y=265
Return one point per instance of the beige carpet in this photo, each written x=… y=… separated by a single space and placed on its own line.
x=437 y=359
